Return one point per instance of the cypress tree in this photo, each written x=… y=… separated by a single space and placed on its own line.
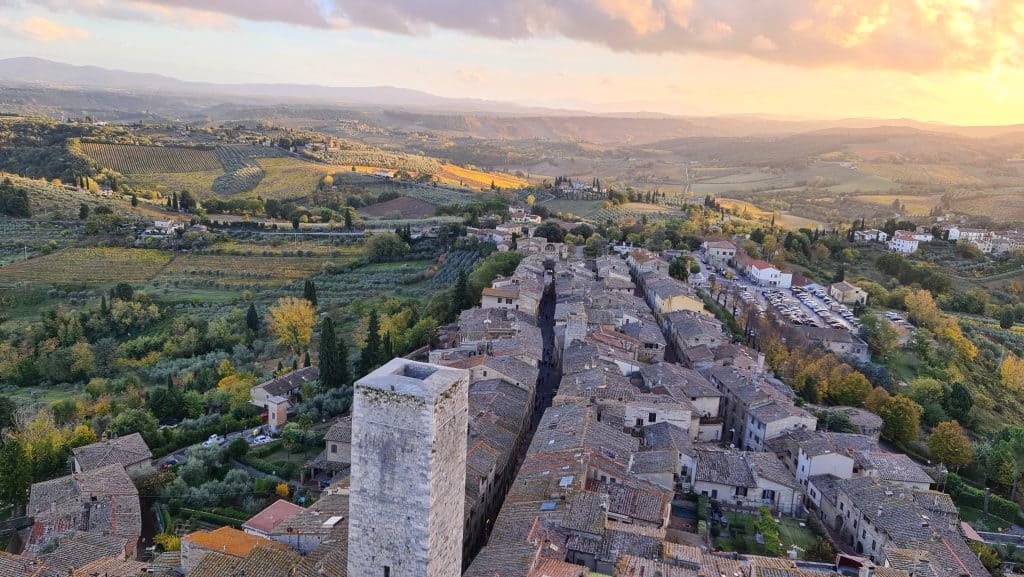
x=252 y=319
x=331 y=376
x=348 y=218
x=370 y=356
x=135 y=200
x=387 y=348
x=104 y=307
x=295 y=364
x=309 y=292
x=460 y=298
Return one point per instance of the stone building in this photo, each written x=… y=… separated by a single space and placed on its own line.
x=406 y=504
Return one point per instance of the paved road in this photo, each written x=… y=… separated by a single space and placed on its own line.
x=180 y=454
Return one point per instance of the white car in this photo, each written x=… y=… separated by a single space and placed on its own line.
x=261 y=440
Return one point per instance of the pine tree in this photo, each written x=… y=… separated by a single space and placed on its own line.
x=370 y=356
x=305 y=360
x=252 y=320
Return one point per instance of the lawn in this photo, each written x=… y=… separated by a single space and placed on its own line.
x=742 y=534
x=83 y=266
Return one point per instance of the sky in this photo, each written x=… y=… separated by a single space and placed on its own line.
x=951 y=61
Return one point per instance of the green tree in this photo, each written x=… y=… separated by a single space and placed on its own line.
x=950 y=445
x=7 y=412
x=135 y=421
x=957 y=400
x=1007 y=318
x=348 y=218
x=901 y=419
x=385 y=246
x=370 y=356
x=15 y=472
x=309 y=292
x=679 y=268
x=83 y=211
x=461 y=299
x=252 y=320
x=879 y=333
x=135 y=200
x=333 y=369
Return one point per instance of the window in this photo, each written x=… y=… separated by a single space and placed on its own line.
x=768 y=495
x=651 y=417
x=741 y=491
x=714 y=493
x=334 y=448
x=639 y=422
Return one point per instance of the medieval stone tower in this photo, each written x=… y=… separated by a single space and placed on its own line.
x=408 y=471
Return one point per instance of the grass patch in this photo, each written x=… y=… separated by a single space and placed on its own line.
x=290 y=177
x=982 y=521
x=165 y=183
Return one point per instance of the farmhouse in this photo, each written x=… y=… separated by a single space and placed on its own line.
x=286 y=386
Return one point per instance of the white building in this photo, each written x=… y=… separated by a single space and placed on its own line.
x=765 y=274
x=903 y=242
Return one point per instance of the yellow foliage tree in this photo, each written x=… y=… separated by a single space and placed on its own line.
x=238 y=386
x=281 y=490
x=291 y=322
x=922 y=309
x=950 y=445
x=1011 y=372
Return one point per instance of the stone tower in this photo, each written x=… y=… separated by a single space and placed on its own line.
x=408 y=471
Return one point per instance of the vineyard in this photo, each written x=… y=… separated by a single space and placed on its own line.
x=374 y=158
x=267 y=271
x=438 y=196
x=290 y=177
x=80 y=266
x=131 y=159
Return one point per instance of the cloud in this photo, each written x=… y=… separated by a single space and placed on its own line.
x=471 y=75
x=43 y=29
x=910 y=35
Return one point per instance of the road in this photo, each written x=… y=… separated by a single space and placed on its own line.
x=180 y=454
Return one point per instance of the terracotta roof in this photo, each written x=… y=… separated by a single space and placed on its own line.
x=230 y=541
x=270 y=517
x=340 y=431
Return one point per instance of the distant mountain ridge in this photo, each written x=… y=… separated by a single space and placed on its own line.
x=66 y=84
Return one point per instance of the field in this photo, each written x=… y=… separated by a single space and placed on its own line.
x=78 y=266
x=784 y=219
x=228 y=270
x=401 y=207
x=471 y=178
x=580 y=208
x=915 y=205
x=131 y=159
x=933 y=174
x=167 y=182
x=290 y=177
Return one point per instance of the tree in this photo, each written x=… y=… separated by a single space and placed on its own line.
x=291 y=322
x=281 y=490
x=922 y=310
x=252 y=320
x=531 y=199
x=1007 y=318
x=1011 y=372
x=679 y=268
x=370 y=356
x=550 y=231
x=7 y=412
x=957 y=401
x=385 y=246
x=187 y=201
x=15 y=472
x=850 y=389
x=236 y=449
x=83 y=211
x=875 y=399
x=461 y=299
x=348 y=218
x=950 y=445
x=595 y=246
x=305 y=360
x=333 y=368
x=135 y=200
x=902 y=419
x=879 y=334
x=309 y=292
x=135 y=421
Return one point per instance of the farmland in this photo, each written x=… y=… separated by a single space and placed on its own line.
x=915 y=205
x=84 y=266
x=267 y=271
x=131 y=159
x=471 y=178
x=401 y=207
x=782 y=219
x=290 y=177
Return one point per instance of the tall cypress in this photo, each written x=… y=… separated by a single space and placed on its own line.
x=330 y=369
x=371 y=355
x=387 y=347
x=305 y=360
x=309 y=292
x=252 y=319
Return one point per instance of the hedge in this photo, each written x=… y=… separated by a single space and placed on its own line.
x=212 y=518
x=966 y=495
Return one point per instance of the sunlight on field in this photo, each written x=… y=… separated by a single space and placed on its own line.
x=165 y=183
x=781 y=219
x=921 y=174
x=458 y=176
x=915 y=205
x=290 y=177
